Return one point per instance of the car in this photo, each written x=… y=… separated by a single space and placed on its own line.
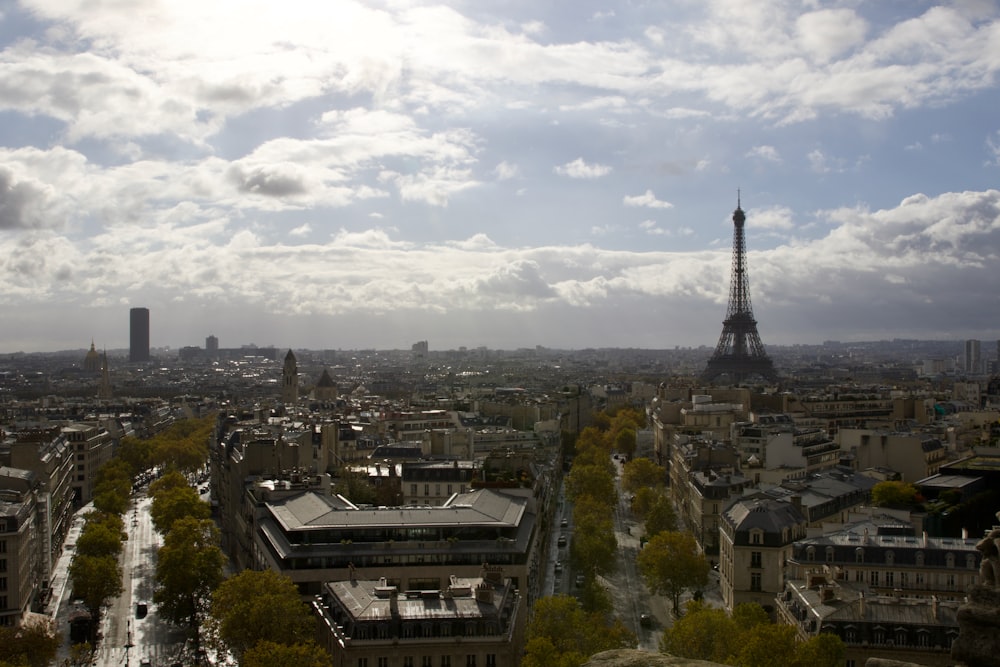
x=558 y=567
x=645 y=620
x=561 y=541
x=141 y=609
x=564 y=523
x=579 y=580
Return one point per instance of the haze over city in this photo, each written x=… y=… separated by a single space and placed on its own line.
x=367 y=175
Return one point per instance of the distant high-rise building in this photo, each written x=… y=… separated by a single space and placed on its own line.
x=972 y=357
x=138 y=340
x=212 y=347
x=290 y=380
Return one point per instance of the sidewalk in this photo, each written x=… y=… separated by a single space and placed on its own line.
x=57 y=607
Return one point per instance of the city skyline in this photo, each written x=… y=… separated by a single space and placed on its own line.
x=368 y=175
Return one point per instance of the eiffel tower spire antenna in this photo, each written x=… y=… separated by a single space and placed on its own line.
x=740 y=353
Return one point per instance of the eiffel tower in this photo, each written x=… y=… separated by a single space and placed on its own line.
x=739 y=355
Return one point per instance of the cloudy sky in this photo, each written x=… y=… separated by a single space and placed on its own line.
x=562 y=173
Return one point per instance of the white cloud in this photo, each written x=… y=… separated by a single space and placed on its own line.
x=647 y=199
x=768 y=153
x=580 y=169
x=506 y=171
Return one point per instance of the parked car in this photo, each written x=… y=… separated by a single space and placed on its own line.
x=564 y=523
x=579 y=580
x=558 y=567
x=645 y=620
x=141 y=609
x=561 y=541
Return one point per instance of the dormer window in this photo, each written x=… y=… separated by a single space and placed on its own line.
x=890 y=557
x=859 y=555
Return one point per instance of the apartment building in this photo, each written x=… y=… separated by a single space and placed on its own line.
x=774 y=448
x=755 y=540
x=434 y=482
x=23 y=577
x=92 y=447
x=913 y=454
x=468 y=622
x=883 y=554
x=893 y=627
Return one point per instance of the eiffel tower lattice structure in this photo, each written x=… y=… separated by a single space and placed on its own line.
x=740 y=354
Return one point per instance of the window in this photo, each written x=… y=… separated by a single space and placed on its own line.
x=383 y=662
x=920 y=579
x=445 y=661
x=859 y=555
x=491 y=660
x=755 y=537
x=755 y=581
x=873 y=577
x=949 y=559
x=426 y=661
x=889 y=579
x=890 y=558
x=449 y=489
x=427 y=489
x=3 y=564
x=408 y=661
x=362 y=662
x=810 y=553
x=829 y=554
x=949 y=582
x=470 y=660
x=437 y=489
x=920 y=559
x=3 y=546
x=754 y=559
x=904 y=579
x=413 y=489
x=3 y=583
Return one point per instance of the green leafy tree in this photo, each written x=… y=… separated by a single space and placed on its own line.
x=702 y=633
x=661 y=516
x=561 y=633
x=34 y=643
x=594 y=549
x=170 y=480
x=113 y=487
x=100 y=538
x=894 y=494
x=823 y=650
x=96 y=579
x=137 y=453
x=767 y=645
x=255 y=606
x=643 y=500
x=188 y=568
x=642 y=473
x=592 y=481
x=272 y=654
x=175 y=503
x=671 y=564
x=625 y=441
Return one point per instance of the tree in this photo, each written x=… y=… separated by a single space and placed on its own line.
x=96 y=579
x=562 y=633
x=188 y=568
x=171 y=479
x=642 y=473
x=660 y=517
x=273 y=654
x=823 y=650
x=767 y=645
x=258 y=606
x=671 y=564
x=625 y=441
x=175 y=503
x=34 y=643
x=702 y=633
x=594 y=548
x=893 y=494
x=136 y=452
x=592 y=481
x=100 y=538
